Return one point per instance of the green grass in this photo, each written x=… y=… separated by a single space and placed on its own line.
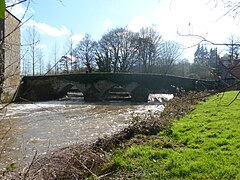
x=208 y=145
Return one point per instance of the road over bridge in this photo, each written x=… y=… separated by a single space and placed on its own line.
x=95 y=86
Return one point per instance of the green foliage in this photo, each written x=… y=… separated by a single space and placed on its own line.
x=207 y=148
x=2 y=9
x=200 y=71
x=213 y=58
x=8 y=170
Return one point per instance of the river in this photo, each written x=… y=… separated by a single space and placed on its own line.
x=41 y=127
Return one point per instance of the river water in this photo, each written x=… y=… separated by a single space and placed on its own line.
x=41 y=127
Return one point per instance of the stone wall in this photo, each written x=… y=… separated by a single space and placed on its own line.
x=11 y=48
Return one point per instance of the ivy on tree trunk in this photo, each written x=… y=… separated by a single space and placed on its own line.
x=2 y=9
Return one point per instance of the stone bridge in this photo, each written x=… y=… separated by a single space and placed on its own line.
x=95 y=86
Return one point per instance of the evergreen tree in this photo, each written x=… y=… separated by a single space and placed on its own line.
x=213 y=58
x=197 y=54
x=206 y=54
x=201 y=56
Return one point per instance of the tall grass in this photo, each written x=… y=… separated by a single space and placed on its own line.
x=204 y=144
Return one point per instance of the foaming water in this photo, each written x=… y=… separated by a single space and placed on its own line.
x=45 y=126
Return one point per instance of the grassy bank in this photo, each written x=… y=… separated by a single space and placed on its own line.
x=204 y=144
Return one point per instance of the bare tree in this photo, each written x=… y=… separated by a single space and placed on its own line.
x=55 y=57
x=103 y=58
x=85 y=52
x=117 y=47
x=49 y=68
x=169 y=52
x=65 y=63
x=229 y=63
x=148 y=44
x=32 y=42
x=233 y=47
x=40 y=63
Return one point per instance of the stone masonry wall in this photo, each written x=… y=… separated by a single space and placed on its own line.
x=12 y=57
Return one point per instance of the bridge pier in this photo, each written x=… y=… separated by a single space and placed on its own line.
x=95 y=91
x=140 y=94
x=92 y=94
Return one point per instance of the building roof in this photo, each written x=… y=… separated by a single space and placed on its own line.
x=232 y=66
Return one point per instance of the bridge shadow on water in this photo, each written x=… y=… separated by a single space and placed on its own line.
x=116 y=98
x=153 y=99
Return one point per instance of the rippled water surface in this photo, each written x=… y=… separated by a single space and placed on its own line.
x=44 y=126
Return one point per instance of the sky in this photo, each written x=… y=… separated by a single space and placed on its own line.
x=58 y=22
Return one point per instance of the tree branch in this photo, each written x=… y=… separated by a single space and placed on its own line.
x=203 y=39
x=19 y=2
x=234 y=98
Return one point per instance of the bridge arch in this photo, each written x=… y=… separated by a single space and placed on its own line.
x=99 y=91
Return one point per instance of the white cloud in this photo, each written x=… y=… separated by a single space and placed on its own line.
x=76 y=38
x=137 y=23
x=189 y=17
x=46 y=29
x=194 y=17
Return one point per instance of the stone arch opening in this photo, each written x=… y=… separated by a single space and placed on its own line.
x=75 y=92
x=70 y=91
x=117 y=93
x=62 y=92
